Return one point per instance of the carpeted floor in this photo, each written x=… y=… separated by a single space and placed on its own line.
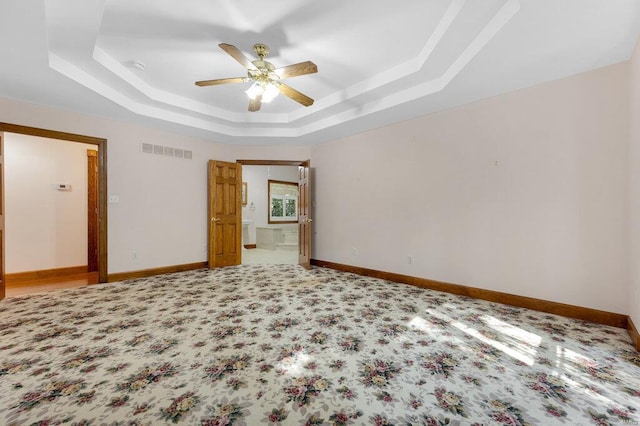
x=275 y=344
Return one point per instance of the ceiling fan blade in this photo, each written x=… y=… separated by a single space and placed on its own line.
x=220 y=81
x=295 y=95
x=295 y=70
x=236 y=54
x=255 y=104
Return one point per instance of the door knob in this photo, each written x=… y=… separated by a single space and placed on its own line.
x=309 y=220
x=214 y=219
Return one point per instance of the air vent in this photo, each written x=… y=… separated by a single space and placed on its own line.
x=168 y=151
x=147 y=148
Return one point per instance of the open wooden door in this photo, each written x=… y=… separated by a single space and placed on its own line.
x=304 y=215
x=225 y=214
x=92 y=210
x=2 y=283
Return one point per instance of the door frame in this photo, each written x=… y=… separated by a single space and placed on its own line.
x=101 y=143
x=273 y=163
x=93 y=233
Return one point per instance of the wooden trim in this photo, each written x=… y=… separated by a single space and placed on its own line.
x=304 y=215
x=633 y=333
x=92 y=211
x=102 y=213
x=44 y=274
x=571 y=311
x=121 y=276
x=3 y=282
x=102 y=180
x=51 y=134
x=250 y=246
x=270 y=162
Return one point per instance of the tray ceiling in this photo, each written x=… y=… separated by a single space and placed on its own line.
x=379 y=61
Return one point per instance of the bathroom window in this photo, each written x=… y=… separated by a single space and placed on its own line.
x=283 y=202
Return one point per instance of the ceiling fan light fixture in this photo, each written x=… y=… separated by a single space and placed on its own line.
x=271 y=91
x=254 y=91
x=268 y=91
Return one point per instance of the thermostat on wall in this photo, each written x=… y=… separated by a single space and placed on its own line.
x=63 y=187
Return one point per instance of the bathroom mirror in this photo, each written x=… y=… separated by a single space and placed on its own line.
x=244 y=193
x=283 y=202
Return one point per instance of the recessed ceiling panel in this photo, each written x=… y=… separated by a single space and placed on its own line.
x=375 y=58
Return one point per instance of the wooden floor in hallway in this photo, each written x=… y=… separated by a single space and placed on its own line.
x=50 y=284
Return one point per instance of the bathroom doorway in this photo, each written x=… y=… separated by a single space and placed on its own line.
x=270 y=222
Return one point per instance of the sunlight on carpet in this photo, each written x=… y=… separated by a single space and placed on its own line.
x=279 y=345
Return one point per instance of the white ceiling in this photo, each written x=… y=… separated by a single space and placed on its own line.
x=379 y=61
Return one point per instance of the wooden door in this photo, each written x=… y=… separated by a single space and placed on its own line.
x=92 y=210
x=225 y=213
x=304 y=215
x=2 y=282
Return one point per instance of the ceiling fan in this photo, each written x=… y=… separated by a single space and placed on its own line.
x=265 y=77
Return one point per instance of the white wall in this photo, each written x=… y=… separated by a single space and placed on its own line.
x=525 y=193
x=257 y=178
x=634 y=189
x=549 y=220
x=162 y=208
x=162 y=201
x=45 y=228
x=289 y=152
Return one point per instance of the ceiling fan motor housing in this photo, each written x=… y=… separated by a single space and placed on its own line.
x=261 y=50
x=264 y=72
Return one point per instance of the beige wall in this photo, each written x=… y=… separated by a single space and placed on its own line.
x=162 y=201
x=634 y=189
x=524 y=193
x=290 y=152
x=162 y=210
x=46 y=227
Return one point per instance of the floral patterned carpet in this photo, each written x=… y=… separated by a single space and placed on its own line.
x=275 y=344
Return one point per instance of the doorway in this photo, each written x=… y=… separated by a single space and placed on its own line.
x=270 y=214
x=101 y=196
x=226 y=195
x=282 y=239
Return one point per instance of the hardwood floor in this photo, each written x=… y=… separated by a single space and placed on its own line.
x=50 y=284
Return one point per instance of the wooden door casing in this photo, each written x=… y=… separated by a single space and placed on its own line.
x=2 y=235
x=304 y=215
x=92 y=210
x=225 y=214
x=304 y=203
x=102 y=181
